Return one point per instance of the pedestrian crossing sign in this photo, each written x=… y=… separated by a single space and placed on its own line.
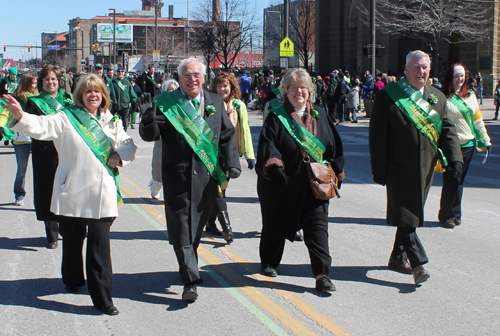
x=286 y=48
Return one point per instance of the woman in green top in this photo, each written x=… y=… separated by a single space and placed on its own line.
x=462 y=109
x=226 y=86
x=21 y=142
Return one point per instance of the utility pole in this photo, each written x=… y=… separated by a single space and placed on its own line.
x=286 y=21
x=372 y=47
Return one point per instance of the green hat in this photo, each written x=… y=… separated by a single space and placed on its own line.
x=13 y=71
x=98 y=65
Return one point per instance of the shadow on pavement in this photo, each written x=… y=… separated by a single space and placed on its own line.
x=354 y=220
x=242 y=199
x=12 y=207
x=142 y=200
x=23 y=244
x=138 y=235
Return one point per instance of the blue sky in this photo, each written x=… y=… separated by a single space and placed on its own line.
x=22 y=22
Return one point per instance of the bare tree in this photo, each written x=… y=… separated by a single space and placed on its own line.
x=231 y=34
x=434 y=21
x=302 y=23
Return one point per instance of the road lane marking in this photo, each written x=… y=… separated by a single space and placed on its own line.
x=252 y=292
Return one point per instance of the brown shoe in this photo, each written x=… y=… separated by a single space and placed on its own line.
x=402 y=266
x=420 y=274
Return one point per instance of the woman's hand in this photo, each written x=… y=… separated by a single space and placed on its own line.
x=13 y=106
x=114 y=160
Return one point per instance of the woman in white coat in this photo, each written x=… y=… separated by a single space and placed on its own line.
x=91 y=144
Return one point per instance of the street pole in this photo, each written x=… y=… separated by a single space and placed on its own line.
x=371 y=46
x=156 y=32
x=286 y=15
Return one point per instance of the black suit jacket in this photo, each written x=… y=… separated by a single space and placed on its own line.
x=189 y=189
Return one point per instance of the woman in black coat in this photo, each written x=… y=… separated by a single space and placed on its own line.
x=286 y=198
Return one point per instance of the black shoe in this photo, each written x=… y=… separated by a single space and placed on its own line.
x=212 y=228
x=108 y=311
x=298 y=236
x=448 y=224
x=223 y=217
x=458 y=222
x=52 y=245
x=402 y=266
x=269 y=271
x=189 y=293
x=324 y=284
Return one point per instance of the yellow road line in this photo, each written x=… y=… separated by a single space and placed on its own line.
x=251 y=291
x=287 y=319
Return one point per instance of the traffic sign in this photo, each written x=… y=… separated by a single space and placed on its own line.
x=286 y=48
x=156 y=55
x=53 y=47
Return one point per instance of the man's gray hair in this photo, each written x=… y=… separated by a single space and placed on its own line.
x=416 y=54
x=184 y=62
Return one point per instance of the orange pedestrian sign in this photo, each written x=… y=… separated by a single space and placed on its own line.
x=286 y=48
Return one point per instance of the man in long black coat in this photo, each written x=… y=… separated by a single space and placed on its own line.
x=190 y=189
x=404 y=159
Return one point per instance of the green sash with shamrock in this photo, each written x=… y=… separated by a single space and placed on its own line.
x=195 y=130
x=303 y=137
x=469 y=117
x=420 y=113
x=91 y=132
x=12 y=85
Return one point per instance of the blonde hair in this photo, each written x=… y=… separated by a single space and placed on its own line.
x=298 y=75
x=92 y=82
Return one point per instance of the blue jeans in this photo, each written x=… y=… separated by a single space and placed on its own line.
x=480 y=91
x=22 y=156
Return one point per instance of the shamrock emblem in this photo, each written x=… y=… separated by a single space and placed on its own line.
x=115 y=118
x=315 y=114
x=210 y=109
x=432 y=99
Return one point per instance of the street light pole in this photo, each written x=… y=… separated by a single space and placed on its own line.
x=158 y=4
x=114 y=37
x=286 y=25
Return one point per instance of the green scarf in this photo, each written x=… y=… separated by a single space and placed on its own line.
x=303 y=137
x=420 y=113
x=195 y=130
x=469 y=117
x=93 y=135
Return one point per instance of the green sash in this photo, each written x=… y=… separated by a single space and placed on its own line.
x=12 y=85
x=152 y=80
x=93 y=135
x=123 y=88
x=303 y=137
x=468 y=114
x=195 y=130
x=48 y=104
x=421 y=114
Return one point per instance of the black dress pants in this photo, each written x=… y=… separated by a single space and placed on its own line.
x=452 y=191
x=315 y=231
x=51 y=231
x=124 y=117
x=98 y=263
x=407 y=245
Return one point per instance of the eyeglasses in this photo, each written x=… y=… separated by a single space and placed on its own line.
x=196 y=75
x=297 y=88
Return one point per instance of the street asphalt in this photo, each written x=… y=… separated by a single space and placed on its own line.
x=462 y=296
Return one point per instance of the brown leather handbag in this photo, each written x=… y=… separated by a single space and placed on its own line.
x=324 y=183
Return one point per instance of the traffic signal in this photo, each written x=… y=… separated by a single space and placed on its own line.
x=29 y=48
x=4 y=48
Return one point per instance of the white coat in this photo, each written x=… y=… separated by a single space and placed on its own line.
x=83 y=187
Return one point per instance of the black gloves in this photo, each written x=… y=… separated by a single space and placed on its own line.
x=233 y=173
x=456 y=168
x=278 y=176
x=147 y=109
x=380 y=179
x=251 y=163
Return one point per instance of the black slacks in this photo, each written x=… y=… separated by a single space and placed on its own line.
x=407 y=245
x=452 y=191
x=98 y=263
x=51 y=231
x=124 y=117
x=315 y=231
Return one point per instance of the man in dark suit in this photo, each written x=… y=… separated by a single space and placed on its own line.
x=148 y=82
x=182 y=118
x=403 y=158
